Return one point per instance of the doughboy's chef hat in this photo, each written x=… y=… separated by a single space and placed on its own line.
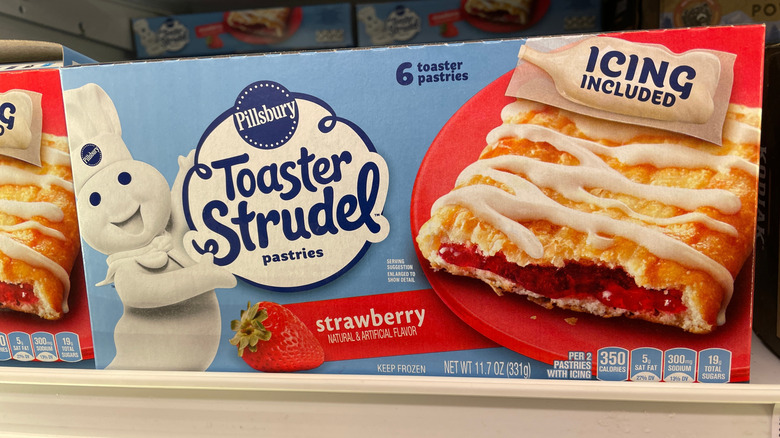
x=94 y=132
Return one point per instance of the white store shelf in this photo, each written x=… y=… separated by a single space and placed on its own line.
x=67 y=403
x=42 y=402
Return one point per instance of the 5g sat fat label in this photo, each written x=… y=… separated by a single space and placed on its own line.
x=646 y=365
x=283 y=192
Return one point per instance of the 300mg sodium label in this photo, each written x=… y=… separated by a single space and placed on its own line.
x=680 y=365
x=43 y=346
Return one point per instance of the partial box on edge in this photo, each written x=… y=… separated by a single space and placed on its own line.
x=45 y=316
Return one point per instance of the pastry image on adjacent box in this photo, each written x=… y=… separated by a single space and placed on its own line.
x=268 y=22
x=603 y=217
x=39 y=238
x=501 y=11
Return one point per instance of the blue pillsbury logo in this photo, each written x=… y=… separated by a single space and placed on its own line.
x=266 y=115
x=91 y=155
x=403 y=23
x=173 y=35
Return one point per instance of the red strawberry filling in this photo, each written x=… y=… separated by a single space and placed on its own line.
x=17 y=295
x=612 y=287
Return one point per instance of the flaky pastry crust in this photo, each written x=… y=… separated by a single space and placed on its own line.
x=44 y=189
x=729 y=243
x=261 y=22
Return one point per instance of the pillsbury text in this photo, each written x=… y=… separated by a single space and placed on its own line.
x=259 y=116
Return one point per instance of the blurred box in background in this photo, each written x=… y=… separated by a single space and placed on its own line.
x=245 y=31
x=690 y=13
x=455 y=20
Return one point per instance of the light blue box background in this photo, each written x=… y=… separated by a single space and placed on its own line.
x=165 y=107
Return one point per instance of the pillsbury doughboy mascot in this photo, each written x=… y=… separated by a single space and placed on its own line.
x=171 y=318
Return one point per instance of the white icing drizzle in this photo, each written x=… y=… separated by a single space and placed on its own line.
x=55 y=156
x=14 y=175
x=29 y=210
x=737 y=132
x=35 y=226
x=571 y=181
x=656 y=154
x=505 y=210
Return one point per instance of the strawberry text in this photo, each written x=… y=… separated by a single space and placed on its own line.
x=371 y=319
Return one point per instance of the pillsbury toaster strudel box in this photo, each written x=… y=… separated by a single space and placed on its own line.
x=578 y=207
x=432 y=21
x=244 y=30
x=687 y=13
x=44 y=316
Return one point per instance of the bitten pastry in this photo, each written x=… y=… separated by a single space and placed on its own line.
x=39 y=239
x=500 y=11
x=604 y=217
x=260 y=22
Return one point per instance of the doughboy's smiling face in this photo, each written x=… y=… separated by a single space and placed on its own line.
x=124 y=206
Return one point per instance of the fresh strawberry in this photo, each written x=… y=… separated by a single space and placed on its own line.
x=214 y=42
x=448 y=30
x=270 y=338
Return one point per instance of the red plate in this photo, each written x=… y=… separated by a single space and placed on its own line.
x=293 y=23
x=76 y=320
x=538 y=9
x=519 y=324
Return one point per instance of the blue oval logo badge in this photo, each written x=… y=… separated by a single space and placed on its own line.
x=91 y=154
x=266 y=115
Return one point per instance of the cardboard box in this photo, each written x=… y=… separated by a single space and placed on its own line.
x=245 y=31
x=688 y=13
x=766 y=316
x=39 y=239
x=275 y=184
x=431 y=21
